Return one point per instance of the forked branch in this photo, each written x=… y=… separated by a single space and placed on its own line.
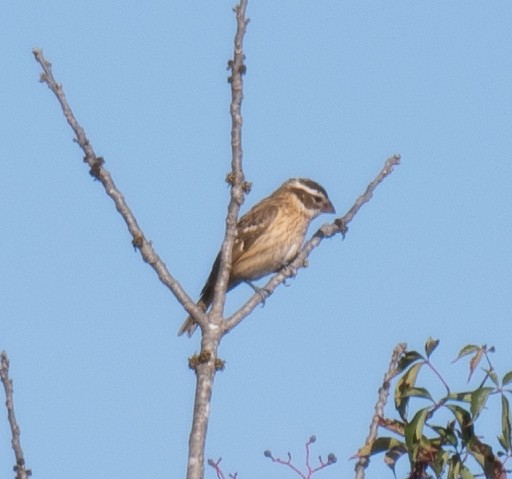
x=213 y=327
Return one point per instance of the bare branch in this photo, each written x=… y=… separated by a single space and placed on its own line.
x=99 y=172
x=207 y=362
x=339 y=226
x=398 y=352
x=19 y=468
x=343 y=222
x=236 y=177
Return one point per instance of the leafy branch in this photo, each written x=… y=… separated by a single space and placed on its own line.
x=444 y=449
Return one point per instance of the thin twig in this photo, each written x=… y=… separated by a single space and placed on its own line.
x=99 y=172
x=339 y=226
x=219 y=471
x=343 y=222
x=398 y=352
x=331 y=459
x=21 y=471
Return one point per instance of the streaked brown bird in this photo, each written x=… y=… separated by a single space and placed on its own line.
x=269 y=236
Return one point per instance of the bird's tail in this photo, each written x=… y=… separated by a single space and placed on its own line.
x=189 y=325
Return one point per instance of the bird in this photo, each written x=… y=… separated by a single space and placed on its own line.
x=268 y=237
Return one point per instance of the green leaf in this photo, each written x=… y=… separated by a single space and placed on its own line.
x=505 y=422
x=468 y=349
x=414 y=430
x=478 y=400
x=464 y=420
x=502 y=442
x=447 y=434
x=407 y=359
x=463 y=396
x=465 y=473
x=493 y=377
x=381 y=444
x=440 y=462
x=507 y=379
x=475 y=361
x=454 y=467
x=393 y=454
x=418 y=393
x=403 y=386
x=430 y=346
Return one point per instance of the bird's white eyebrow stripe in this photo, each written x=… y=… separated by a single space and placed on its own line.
x=308 y=189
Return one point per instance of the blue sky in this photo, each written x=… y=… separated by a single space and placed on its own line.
x=332 y=89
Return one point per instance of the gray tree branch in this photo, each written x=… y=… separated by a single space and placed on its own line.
x=207 y=363
x=398 y=352
x=99 y=172
x=19 y=468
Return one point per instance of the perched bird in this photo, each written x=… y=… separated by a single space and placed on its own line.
x=268 y=237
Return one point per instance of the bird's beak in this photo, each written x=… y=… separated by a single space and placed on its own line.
x=328 y=208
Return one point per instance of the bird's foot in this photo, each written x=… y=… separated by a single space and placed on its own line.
x=262 y=292
x=290 y=272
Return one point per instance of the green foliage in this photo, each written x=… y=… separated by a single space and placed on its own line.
x=441 y=450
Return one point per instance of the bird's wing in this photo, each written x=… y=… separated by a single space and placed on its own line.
x=252 y=226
